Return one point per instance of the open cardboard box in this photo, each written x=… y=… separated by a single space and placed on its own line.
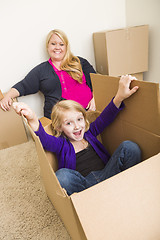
x=122 y=51
x=126 y=206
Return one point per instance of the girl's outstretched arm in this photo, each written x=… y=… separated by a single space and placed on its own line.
x=24 y=109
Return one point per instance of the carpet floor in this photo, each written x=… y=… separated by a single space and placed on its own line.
x=25 y=210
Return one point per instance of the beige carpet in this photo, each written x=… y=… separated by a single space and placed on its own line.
x=25 y=210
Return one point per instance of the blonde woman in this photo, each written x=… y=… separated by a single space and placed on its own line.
x=63 y=76
x=82 y=160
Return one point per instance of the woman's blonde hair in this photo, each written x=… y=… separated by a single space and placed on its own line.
x=70 y=63
x=58 y=111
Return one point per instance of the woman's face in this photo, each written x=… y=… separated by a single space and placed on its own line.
x=56 y=48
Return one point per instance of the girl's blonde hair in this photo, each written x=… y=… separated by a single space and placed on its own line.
x=70 y=63
x=58 y=111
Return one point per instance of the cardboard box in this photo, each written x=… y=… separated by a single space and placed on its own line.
x=139 y=76
x=121 y=51
x=12 y=131
x=45 y=121
x=126 y=206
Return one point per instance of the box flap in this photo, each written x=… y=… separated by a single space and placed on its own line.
x=142 y=108
x=126 y=206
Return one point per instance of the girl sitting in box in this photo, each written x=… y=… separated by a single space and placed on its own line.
x=82 y=159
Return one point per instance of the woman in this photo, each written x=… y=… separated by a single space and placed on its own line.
x=63 y=76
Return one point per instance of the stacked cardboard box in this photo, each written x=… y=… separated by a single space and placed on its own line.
x=122 y=51
x=126 y=206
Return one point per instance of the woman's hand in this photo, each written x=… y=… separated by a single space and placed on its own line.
x=91 y=105
x=6 y=102
x=22 y=108
x=124 y=90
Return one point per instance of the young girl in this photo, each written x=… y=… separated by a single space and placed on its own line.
x=83 y=161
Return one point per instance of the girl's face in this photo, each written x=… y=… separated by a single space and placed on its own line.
x=56 y=48
x=73 y=125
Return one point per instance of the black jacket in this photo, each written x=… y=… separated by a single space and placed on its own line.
x=43 y=78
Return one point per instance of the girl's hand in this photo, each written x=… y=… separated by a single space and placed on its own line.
x=23 y=109
x=124 y=90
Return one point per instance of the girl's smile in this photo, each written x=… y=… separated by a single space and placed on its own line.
x=73 y=125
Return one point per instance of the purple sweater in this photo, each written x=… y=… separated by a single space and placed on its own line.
x=64 y=150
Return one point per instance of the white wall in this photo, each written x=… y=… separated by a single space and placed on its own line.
x=147 y=12
x=24 y=25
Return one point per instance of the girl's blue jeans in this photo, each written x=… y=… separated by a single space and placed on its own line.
x=126 y=155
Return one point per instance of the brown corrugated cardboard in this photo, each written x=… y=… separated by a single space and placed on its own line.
x=142 y=109
x=12 y=131
x=45 y=121
x=139 y=76
x=140 y=120
x=127 y=205
x=121 y=51
x=124 y=207
x=101 y=199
